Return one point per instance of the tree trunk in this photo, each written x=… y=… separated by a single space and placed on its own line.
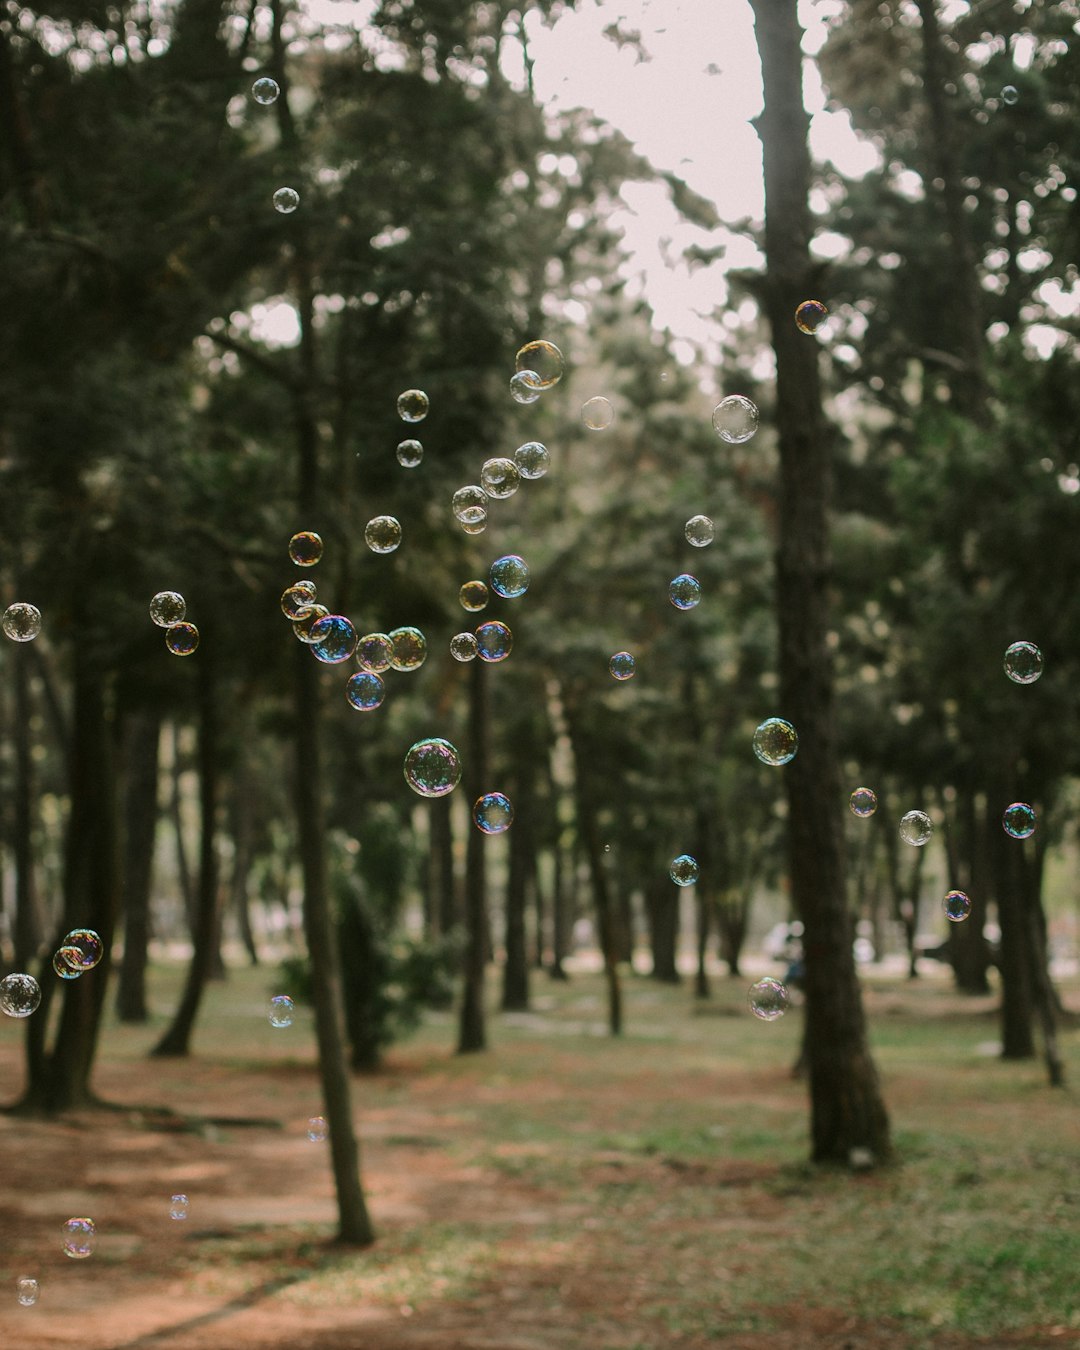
x=561 y=919
x=140 y=825
x=176 y=811
x=27 y=927
x=1015 y=958
x=515 y=992
x=970 y=954
x=662 y=907
x=445 y=914
x=242 y=829
x=472 y=1033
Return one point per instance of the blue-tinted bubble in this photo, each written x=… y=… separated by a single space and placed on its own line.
x=683 y=870
x=1019 y=820
x=684 y=591
x=509 y=576
x=957 y=906
x=493 y=813
x=365 y=691
x=333 y=639
x=494 y=641
x=621 y=666
x=432 y=767
x=775 y=742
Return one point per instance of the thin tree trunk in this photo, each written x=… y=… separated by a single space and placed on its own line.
x=515 y=991
x=176 y=811
x=561 y=922
x=140 y=826
x=27 y=928
x=1015 y=959
x=444 y=906
x=662 y=907
x=472 y=1032
x=242 y=830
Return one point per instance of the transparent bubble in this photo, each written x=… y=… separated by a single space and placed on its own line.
x=373 y=652
x=317 y=1129
x=304 y=627
x=1023 y=662
x=509 y=576
x=408 y=649
x=382 y=534
x=544 y=359
x=432 y=767
x=500 y=478
x=22 y=622
x=26 y=1291
x=182 y=639
x=493 y=641
x=297 y=599
x=597 y=413
x=1010 y=95
x=684 y=591
x=19 y=995
x=473 y=596
x=88 y=944
x=493 y=813
x=683 y=870
x=469 y=504
x=916 y=827
x=768 y=999
x=810 y=315
x=79 y=1238
x=532 y=459
x=775 y=742
x=178 y=1208
x=464 y=646
x=863 y=802
x=957 y=906
x=621 y=666
x=265 y=90
x=65 y=963
x=525 y=386
x=475 y=526
x=409 y=454
x=333 y=639
x=167 y=608
x=365 y=691
x=735 y=419
x=305 y=548
x=413 y=405
x=1019 y=820
x=281 y=1011
x=699 y=531
x=286 y=200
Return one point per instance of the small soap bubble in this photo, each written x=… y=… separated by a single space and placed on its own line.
x=182 y=639
x=916 y=827
x=178 y=1208
x=286 y=200
x=544 y=359
x=509 y=576
x=333 y=639
x=810 y=315
x=500 y=478
x=409 y=454
x=88 y=944
x=413 y=405
x=305 y=548
x=373 y=652
x=475 y=526
x=464 y=646
x=432 y=767
x=26 y=1291
x=699 y=531
x=281 y=1011
x=65 y=963
x=525 y=386
x=265 y=90
x=863 y=802
x=683 y=870
x=735 y=419
x=621 y=666
x=317 y=1129
x=79 y=1238
x=303 y=628
x=493 y=813
x=597 y=413
x=22 y=622
x=19 y=995
x=1023 y=662
x=297 y=599
x=1019 y=820
x=532 y=459
x=493 y=641
x=473 y=596
x=469 y=504
x=957 y=906
x=167 y=608
x=775 y=742
x=1010 y=95
x=382 y=534
x=365 y=691
x=408 y=649
x=684 y=591
x=768 y=999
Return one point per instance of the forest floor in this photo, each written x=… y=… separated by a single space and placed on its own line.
x=562 y=1191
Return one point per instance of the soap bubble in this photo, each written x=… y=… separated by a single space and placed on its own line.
x=373 y=652
x=493 y=641
x=89 y=945
x=469 y=504
x=413 y=405
x=699 y=531
x=493 y=813
x=500 y=478
x=509 y=576
x=475 y=526
x=22 y=622
x=297 y=599
x=281 y=1011
x=683 y=870
x=26 y=1291
x=597 y=413
x=810 y=315
x=382 y=534
x=178 y=1207
x=735 y=419
x=182 y=639
x=408 y=649
x=1023 y=662
x=621 y=666
x=473 y=596
x=333 y=639
x=525 y=386
x=768 y=999
x=432 y=767
x=19 y=995
x=305 y=548
x=684 y=591
x=409 y=454
x=65 y=963
x=532 y=459
x=464 y=646
x=916 y=827
x=1010 y=95
x=1019 y=820
x=957 y=906
x=303 y=627
x=775 y=742
x=79 y=1238
x=265 y=90
x=167 y=608
x=317 y=1129
x=863 y=802
x=544 y=359
x=286 y=200
x=365 y=691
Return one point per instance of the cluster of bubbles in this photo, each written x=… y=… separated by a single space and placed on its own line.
x=21 y=622
x=768 y=999
x=20 y=995
x=168 y=609
x=79 y=952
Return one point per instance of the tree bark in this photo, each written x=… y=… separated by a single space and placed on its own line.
x=27 y=927
x=561 y=919
x=140 y=826
x=472 y=1031
x=515 y=991
x=662 y=907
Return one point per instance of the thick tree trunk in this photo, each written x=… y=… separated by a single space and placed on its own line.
x=561 y=918
x=969 y=951
x=662 y=908
x=1015 y=958
x=242 y=829
x=515 y=991
x=445 y=915
x=176 y=811
x=472 y=1032
x=140 y=826
x=27 y=927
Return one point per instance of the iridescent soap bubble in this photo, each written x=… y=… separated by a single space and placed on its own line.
x=532 y=459
x=621 y=666
x=79 y=1238
x=286 y=200
x=699 y=531
x=1019 y=820
x=373 y=652
x=19 y=995
x=916 y=827
x=305 y=548
x=493 y=813
x=22 y=622
x=683 y=870
x=297 y=599
x=775 y=742
x=413 y=405
x=597 y=413
x=304 y=627
x=684 y=591
x=178 y=1207
x=409 y=454
x=432 y=767
x=65 y=963
x=382 y=534
x=265 y=90
x=500 y=478
x=182 y=639
x=167 y=608
x=408 y=649
x=525 y=386
x=365 y=691
x=88 y=944
x=475 y=526
x=509 y=576
x=863 y=802
x=957 y=906
x=544 y=359
x=281 y=1011
x=473 y=596
x=1010 y=95
x=333 y=639
x=26 y=1291
x=464 y=646
x=768 y=999
x=1023 y=662
x=810 y=315
x=469 y=503
x=735 y=419
x=493 y=641
x=317 y=1129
